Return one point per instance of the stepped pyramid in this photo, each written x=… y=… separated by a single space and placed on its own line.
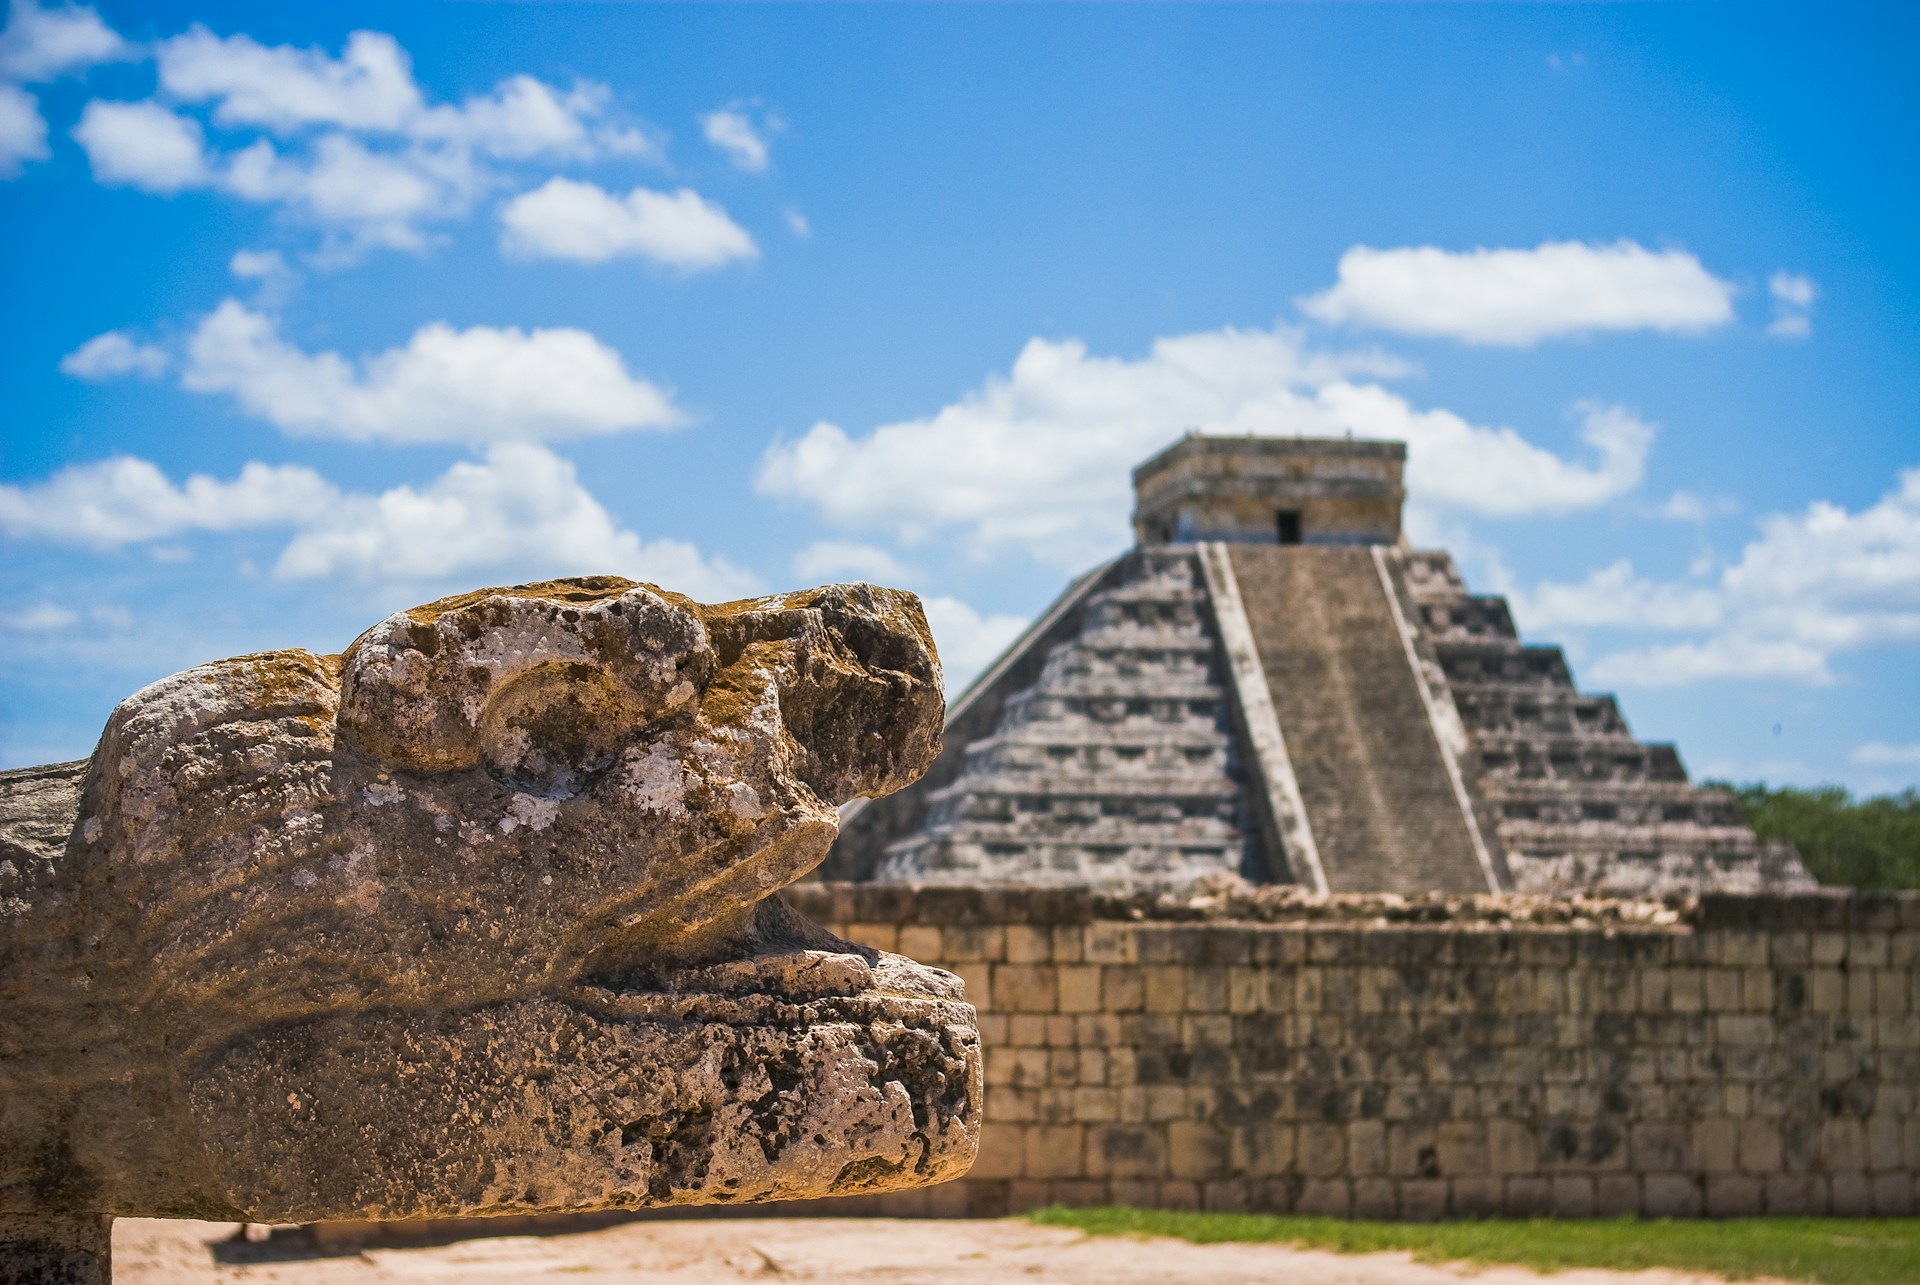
x=1272 y=684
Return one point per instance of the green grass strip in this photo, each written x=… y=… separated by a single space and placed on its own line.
x=1829 y=1251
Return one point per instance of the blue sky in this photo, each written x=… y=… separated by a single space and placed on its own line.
x=318 y=311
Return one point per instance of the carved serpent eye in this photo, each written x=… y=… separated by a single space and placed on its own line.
x=552 y=729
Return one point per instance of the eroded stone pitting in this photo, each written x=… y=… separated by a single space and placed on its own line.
x=479 y=917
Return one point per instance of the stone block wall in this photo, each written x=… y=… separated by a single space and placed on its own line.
x=1387 y=1057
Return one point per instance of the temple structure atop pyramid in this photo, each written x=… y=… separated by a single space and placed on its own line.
x=1273 y=684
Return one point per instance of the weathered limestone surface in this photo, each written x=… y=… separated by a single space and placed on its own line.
x=477 y=917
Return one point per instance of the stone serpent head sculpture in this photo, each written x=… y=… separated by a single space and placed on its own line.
x=479 y=916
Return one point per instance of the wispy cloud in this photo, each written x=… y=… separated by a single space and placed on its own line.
x=739 y=137
x=1793 y=295
x=41 y=44
x=1882 y=754
x=115 y=353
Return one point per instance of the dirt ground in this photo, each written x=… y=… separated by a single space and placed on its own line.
x=870 y=1251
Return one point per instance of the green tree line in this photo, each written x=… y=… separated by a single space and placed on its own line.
x=1846 y=842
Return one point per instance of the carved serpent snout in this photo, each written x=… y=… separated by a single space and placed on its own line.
x=449 y=818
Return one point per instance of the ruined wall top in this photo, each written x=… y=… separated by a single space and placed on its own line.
x=1270 y=490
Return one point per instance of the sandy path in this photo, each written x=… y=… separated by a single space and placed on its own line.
x=875 y=1251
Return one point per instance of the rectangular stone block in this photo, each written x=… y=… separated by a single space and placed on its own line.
x=1829 y=948
x=1572 y=1196
x=1166 y=988
x=1177 y=1195
x=1226 y=1196
x=1672 y=1195
x=1323 y=1150
x=972 y=943
x=1475 y=1197
x=1325 y=1198
x=1029 y=944
x=921 y=942
x=1826 y=991
x=1055 y=1151
x=1883 y=1143
x=1207 y=989
x=1616 y=1195
x=1002 y=1151
x=1422 y=1200
x=1375 y=1198
x=1079 y=988
x=978 y=980
x=1196 y=1150
x=878 y=936
x=1850 y=1195
x=1715 y=1145
x=1263 y=1148
x=1686 y=991
x=1893 y=1195
x=1527 y=1197
x=1859 y=991
x=1733 y=1196
x=1286 y=946
x=1513 y=1148
x=1024 y=988
x=1109 y=943
x=1126 y=1151
x=1366 y=1149
x=1795 y=1193
x=1759 y=1146
x=1843 y=1148
x=1024 y=1194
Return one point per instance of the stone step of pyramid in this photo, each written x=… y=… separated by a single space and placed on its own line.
x=1382 y=809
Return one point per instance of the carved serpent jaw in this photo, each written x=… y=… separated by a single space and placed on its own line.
x=479 y=916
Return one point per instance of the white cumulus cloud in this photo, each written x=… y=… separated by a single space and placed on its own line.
x=518 y=513
x=1518 y=297
x=369 y=86
x=567 y=219
x=123 y=500
x=115 y=353
x=1038 y=460
x=1812 y=586
x=348 y=143
x=23 y=130
x=732 y=131
x=379 y=197
x=40 y=43
x=482 y=384
x=143 y=145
